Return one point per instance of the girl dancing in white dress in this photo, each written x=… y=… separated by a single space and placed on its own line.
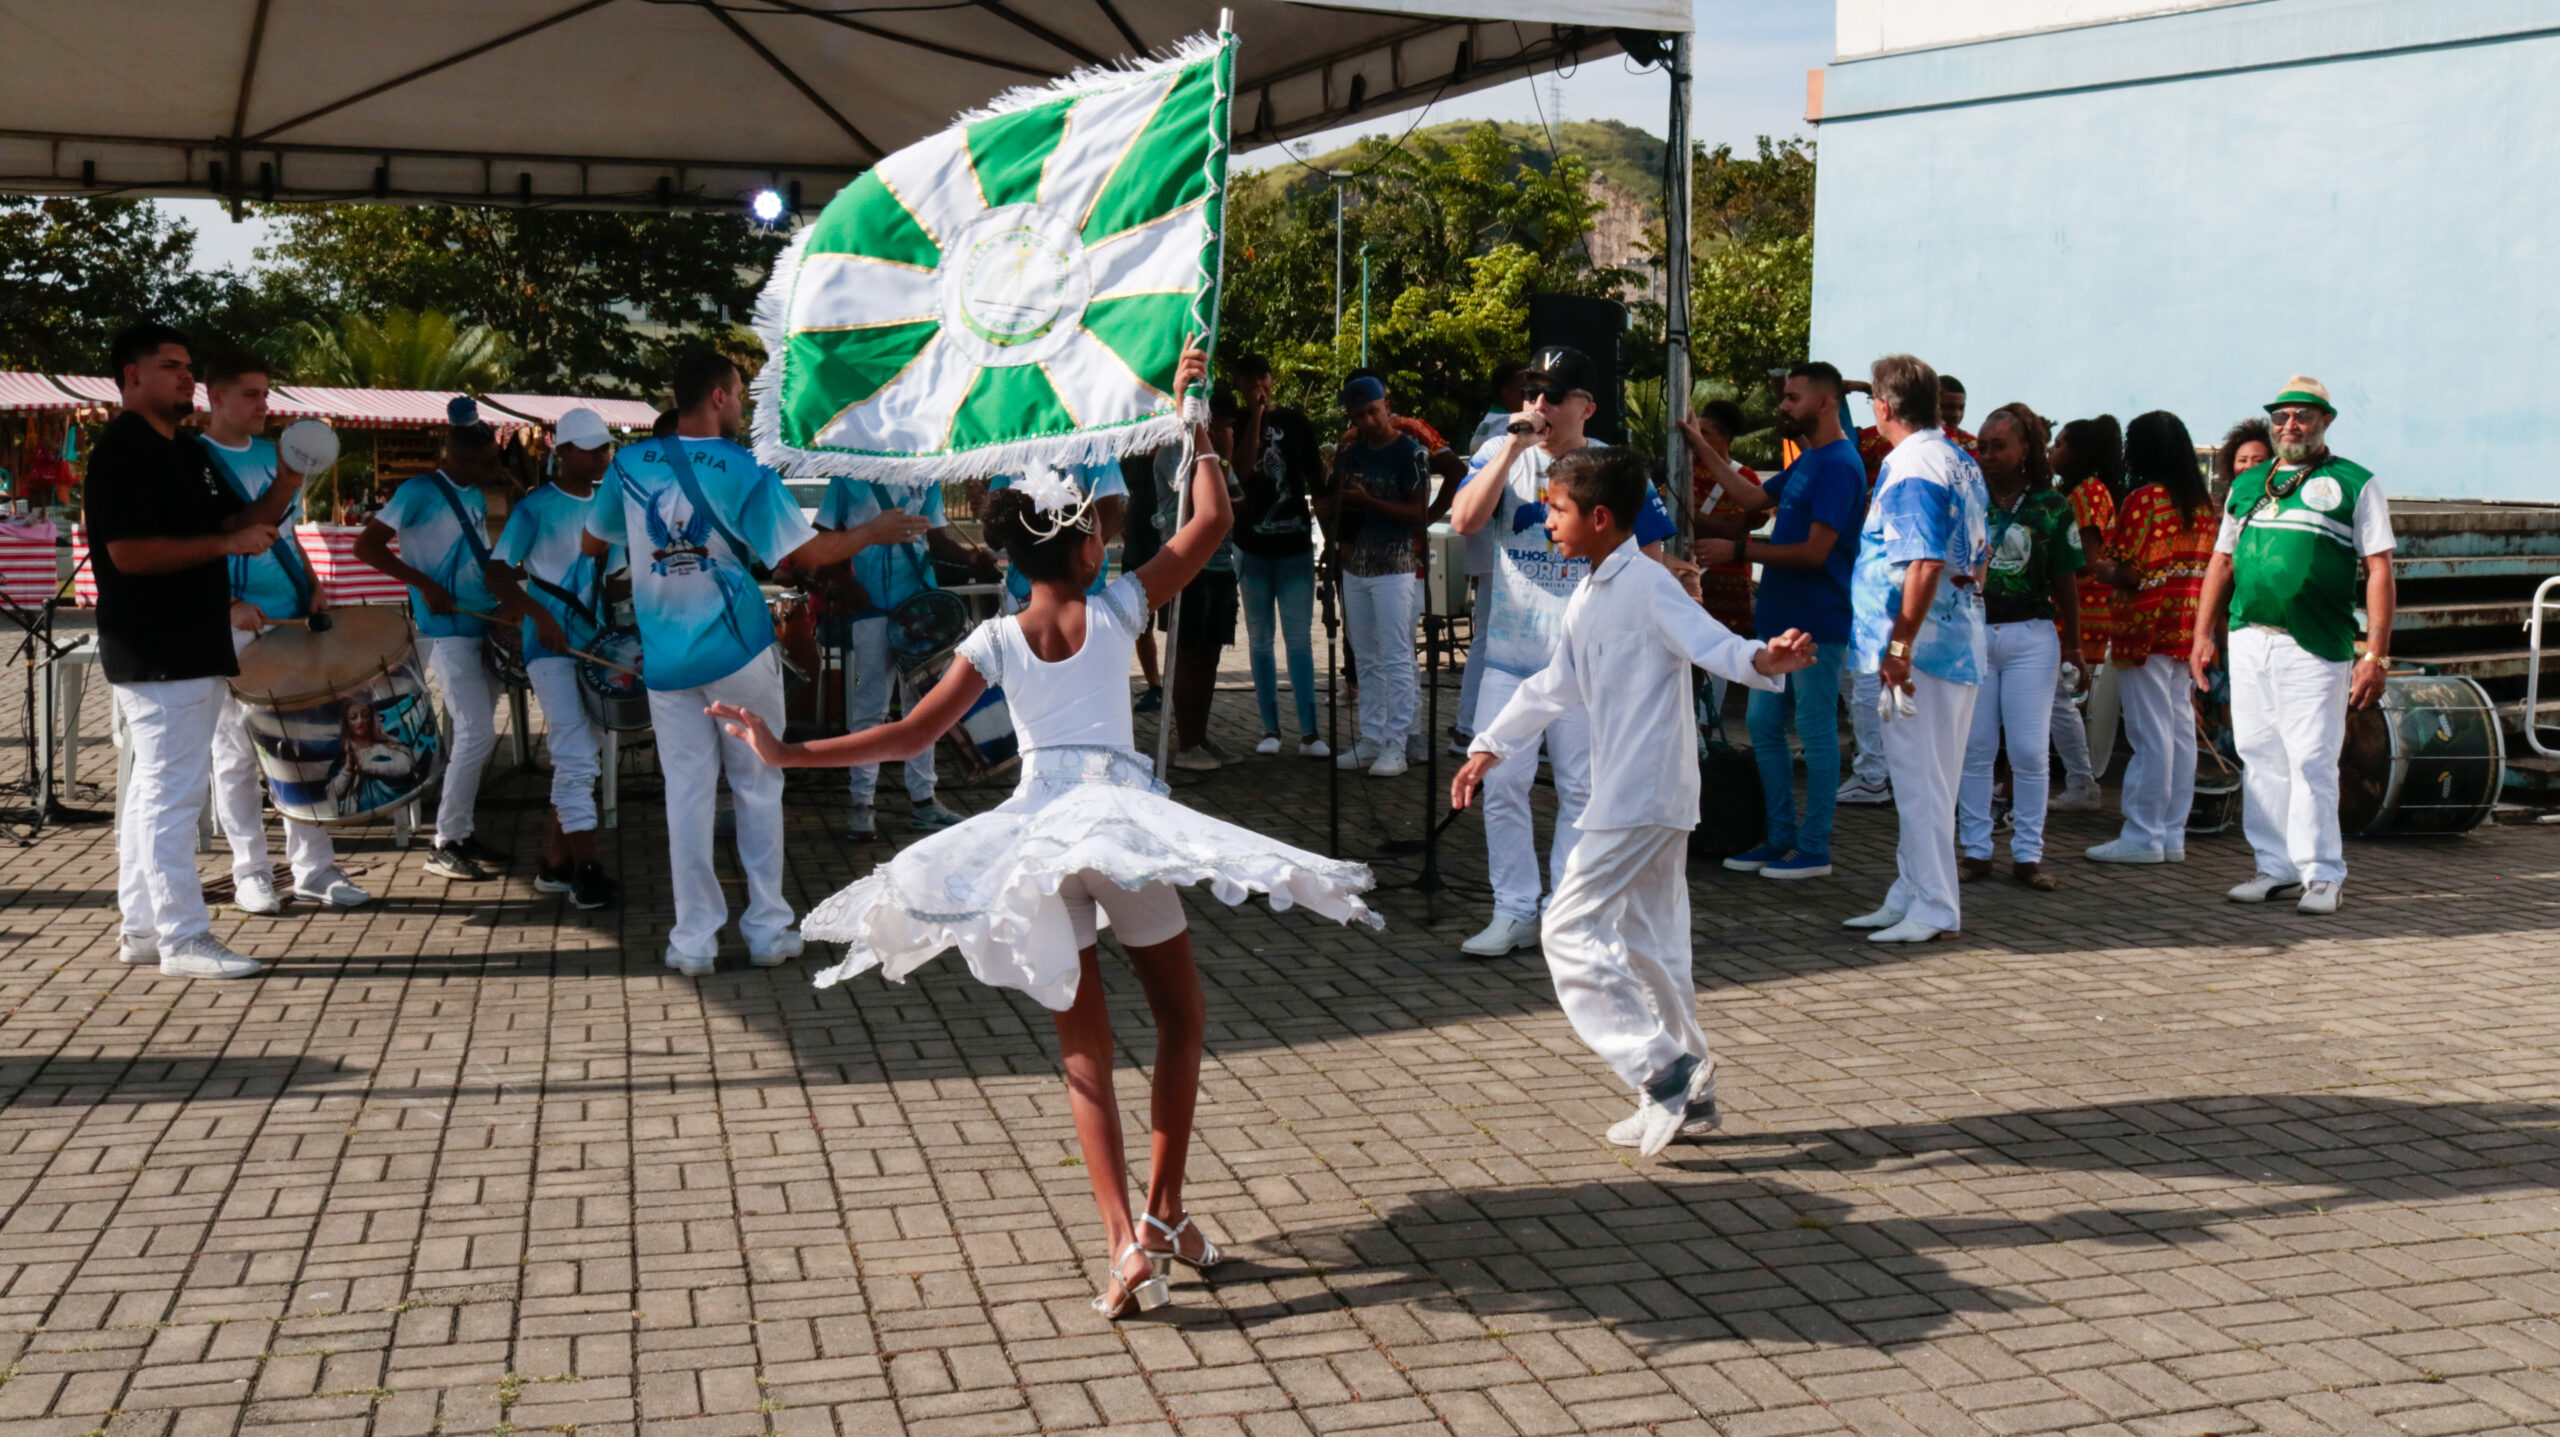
x=1016 y=889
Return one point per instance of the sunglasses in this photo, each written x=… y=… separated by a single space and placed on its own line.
x=2303 y=417
x=1552 y=393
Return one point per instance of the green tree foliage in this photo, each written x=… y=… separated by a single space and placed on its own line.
x=404 y=349
x=1460 y=234
x=73 y=272
x=1751 y=290
x=589 y=301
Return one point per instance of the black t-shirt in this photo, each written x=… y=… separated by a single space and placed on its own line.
x=1273 y=522
x=156 y=627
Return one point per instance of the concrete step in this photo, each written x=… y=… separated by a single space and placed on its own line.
x=2482 y=664
x=2508 y=614
x=2409 y=567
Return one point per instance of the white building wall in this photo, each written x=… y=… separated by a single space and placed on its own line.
x=1877 y=27
x=2361 y=190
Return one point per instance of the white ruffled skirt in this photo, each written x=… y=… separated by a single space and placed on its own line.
x=989 y=886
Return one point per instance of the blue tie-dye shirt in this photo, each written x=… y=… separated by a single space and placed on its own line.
x=701 y=616
x=1930 y=503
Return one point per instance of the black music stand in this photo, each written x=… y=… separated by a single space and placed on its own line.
x=37 y=651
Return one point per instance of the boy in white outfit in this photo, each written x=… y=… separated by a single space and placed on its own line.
x=1616 y=933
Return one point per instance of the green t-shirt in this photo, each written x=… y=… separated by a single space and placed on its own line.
x=2294 y=564
x=2031 y=542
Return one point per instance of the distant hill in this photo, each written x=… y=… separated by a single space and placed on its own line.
x=1625 y=155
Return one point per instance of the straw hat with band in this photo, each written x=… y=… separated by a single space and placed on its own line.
x=2303 y=389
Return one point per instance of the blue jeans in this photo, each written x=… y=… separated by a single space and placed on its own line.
x=1812 y=699
x=1287 y=586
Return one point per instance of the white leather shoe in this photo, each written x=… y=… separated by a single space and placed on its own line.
x=2126 y=850
x=2262 y=888
x=138 y=951
x=1881 y=918
x=2174 y=855
x=689 y=965
x=1501 y=936
x=2319 y=897
x=1705 y=1115
x=1270 y=745
x=1359 y=755
x=333 y=888
x=1909 y=930
x=2076 y=798
x=1389 y=765
x=1314 y=748
x=202 y=955
x=782 y=950
x=256 y=893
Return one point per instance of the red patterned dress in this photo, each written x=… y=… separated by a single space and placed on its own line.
x=2092 y=507
x=2170 y=556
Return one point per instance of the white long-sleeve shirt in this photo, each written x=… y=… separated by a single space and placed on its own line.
x=1630 y=635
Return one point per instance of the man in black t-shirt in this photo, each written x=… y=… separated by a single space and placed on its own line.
x=161 y=524
x=1281 y=466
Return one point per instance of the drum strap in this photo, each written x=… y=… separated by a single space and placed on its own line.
x=682 y=464
x=924 y=574
x=473 y=534
x=285 y=551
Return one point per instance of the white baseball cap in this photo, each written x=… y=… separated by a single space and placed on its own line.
x=581 y=427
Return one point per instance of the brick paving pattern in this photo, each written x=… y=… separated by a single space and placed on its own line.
x=2126 y=1160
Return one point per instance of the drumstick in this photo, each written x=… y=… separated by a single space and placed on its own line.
x=573 y=653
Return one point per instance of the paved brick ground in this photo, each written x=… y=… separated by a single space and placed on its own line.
x=2127 y=1159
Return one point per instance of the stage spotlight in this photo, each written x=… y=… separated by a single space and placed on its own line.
x=767 y=206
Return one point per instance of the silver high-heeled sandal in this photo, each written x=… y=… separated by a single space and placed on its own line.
x=1209 y=1255
x=1149 y=1294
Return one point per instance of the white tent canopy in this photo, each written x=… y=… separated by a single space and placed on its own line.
x=649 y=103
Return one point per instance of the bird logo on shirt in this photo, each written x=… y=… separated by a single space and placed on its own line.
x=675 y=555
x=1531 y=514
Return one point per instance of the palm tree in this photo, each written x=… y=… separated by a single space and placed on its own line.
x=405 y=349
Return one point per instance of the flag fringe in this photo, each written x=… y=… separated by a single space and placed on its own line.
x=1086 y=79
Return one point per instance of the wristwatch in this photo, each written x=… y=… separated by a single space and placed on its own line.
x=1897 y=648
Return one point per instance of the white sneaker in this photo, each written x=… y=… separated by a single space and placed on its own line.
x=2126 y=850
x=689 y=965
x=2077 y=798
x=256 y=893
x=783 y=950
x=1196 y=760
x=1389 y=764
x=2318 y=897
x=1909 y=930
x=202 y=955
x=333 y=888
x=1359 y=755
x=2263 y=887
x=1705 y=1116
x=862 y=823
x=1881 y=918
x=2174 y=855
x=1858 y=790
x=1270 y=745
x=1314 y=748
x=1502 y=935
x=1662 y=1121
x=138 y=950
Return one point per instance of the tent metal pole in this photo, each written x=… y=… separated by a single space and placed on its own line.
x=1675 y=283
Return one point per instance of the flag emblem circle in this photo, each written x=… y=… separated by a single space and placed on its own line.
x=1015 y=285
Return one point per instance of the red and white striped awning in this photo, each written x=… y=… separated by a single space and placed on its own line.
x=381 y=408
x=279 y=405
x=32 y=393
x=546 y=409
x=91 y=390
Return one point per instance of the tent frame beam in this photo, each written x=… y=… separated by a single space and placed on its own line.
x=448 y=62
x=774 y=63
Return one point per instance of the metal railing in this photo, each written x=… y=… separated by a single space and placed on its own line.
x=2533 y=666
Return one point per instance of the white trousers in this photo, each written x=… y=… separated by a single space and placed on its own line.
x=239 y=799
x=1869 y=765
x=576 y=748
x=2073 y=732
x=693 y=752
x=1471 y=684
x=2160 y=779
x=2016 y=696
x=1380 y=613
x=473 y=706
x=2288 y=720
x=1617 y=943
x=1924 y=754
x=869 y=675
x=1510 y=830
x=169 y=728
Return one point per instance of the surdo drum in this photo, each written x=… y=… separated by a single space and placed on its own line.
x=341 y=718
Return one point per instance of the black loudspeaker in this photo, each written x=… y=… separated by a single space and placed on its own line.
x=1597 y=327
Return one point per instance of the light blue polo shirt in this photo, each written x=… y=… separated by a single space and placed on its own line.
x=264 y=579
x=546 y=538
x=701 y=616
x=890 y=573
x=432 y=540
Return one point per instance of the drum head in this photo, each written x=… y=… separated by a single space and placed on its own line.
x=622 y=646
x=289 y=665
x=926 y=626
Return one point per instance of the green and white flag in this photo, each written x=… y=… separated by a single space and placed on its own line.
x=1010 y=295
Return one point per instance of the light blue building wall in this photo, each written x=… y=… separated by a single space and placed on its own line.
x=2178 y=212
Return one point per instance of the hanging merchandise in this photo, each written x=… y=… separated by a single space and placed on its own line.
x=1011 y=295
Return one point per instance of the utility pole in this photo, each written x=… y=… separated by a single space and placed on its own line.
x=1675 y=289
x=1338 y=176
x=1364 y=304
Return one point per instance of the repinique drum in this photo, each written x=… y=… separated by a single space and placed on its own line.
x=615 y=700
x=924 y=628
x=2429 y=758
x=502 y=653
x=341 y=719
x=984 y=741
x=795 y=637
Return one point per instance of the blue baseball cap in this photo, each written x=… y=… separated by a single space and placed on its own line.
x=1360 y=391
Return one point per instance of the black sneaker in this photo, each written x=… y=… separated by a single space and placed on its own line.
x=482 y=854
x=447 y=861
x=590 y=888
x=548 y=879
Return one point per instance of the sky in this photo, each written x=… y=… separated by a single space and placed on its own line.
x=1751 y=58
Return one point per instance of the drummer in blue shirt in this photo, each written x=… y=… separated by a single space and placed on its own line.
x=903 y=531
x=543 y=576
x=441 y=519
x=276 y=587
x=699 y=515
x=1109 y=491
